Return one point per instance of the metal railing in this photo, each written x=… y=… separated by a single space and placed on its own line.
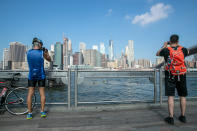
x=78 y=74
x=113 y=74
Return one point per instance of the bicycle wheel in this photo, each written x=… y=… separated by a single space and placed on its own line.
x=16 y=101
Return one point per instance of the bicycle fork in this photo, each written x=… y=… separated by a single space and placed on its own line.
x=2 y=95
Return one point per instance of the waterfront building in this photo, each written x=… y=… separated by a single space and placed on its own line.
x=112 y=64
x=1 y=65
x=144 y=63
x=58 y=55
x=17 y=55
x=103 y=61
x=111 y=50
x=102 y=48
x=6 y=60
x=77 y=58
x=65 y=57
x=159 y=60
x=92 y=58
x=123 y=60
x=130 y=53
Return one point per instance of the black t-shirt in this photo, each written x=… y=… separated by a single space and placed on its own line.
x=165 y=52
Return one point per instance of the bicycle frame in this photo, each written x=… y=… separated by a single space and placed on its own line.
x=6 y=89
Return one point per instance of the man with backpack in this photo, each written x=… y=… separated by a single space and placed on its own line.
x=175 y=75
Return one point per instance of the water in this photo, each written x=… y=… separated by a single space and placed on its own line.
x=109 y=89
x=112 y=89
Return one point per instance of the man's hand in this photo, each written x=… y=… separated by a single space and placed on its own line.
x=47 y=56
x=165 y=45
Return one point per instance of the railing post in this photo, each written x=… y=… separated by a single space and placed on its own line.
x=69 y=84
x=76 y=87
x=160 y=85
x=155 y=85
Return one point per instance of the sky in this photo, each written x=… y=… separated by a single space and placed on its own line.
x=149 y=23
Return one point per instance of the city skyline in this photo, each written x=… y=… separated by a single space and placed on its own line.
x=148 y=22
x=63 y=57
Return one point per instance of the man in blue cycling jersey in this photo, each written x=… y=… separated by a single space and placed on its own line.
x=35 y=58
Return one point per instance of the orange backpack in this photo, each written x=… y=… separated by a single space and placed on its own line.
x=176 y=62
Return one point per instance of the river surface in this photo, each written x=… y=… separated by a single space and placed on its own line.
x=113 y=89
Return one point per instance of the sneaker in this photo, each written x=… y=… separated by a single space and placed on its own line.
x=29 y=116
x=169 y=120
x=43 y=114
x=182 y=119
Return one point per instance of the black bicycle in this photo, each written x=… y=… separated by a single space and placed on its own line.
x=14 y=98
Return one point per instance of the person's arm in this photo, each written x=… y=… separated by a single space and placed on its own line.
x=163 y=47
x=47 y=56
x=185 y=51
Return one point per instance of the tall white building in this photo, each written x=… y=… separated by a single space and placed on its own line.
x=95 y=47
x=53 y=47
x=5 y=58
x=70 y=46
x=111 y=50
x=82 y=47
x=102 y=48
x=130 y=53
x=126 y=50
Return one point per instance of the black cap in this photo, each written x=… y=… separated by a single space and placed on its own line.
x=36 y=40
x=174 y=38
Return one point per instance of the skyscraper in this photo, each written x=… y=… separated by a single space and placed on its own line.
x=111 y=50
x=66 y=52
x=58 y=55
x=126 y=50
x=82 y=47
x=6 y=59
x=102 y=48
x=17 y=54
x=130 y=53
x=77 y=58
x=69 y=46
x=52 y=47
x=93 y=58
x=95 y=47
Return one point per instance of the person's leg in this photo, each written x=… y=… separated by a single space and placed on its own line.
x=171 y=105
x=41 y=85
x=183 y=105
x=42 y=98
x=182 y=92
x=29 y=98
x=170 y=92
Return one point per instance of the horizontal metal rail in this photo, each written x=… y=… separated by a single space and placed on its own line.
x=123 y=101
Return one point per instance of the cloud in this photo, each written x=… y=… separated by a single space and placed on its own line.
x=109 y=12
x=157 y=12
